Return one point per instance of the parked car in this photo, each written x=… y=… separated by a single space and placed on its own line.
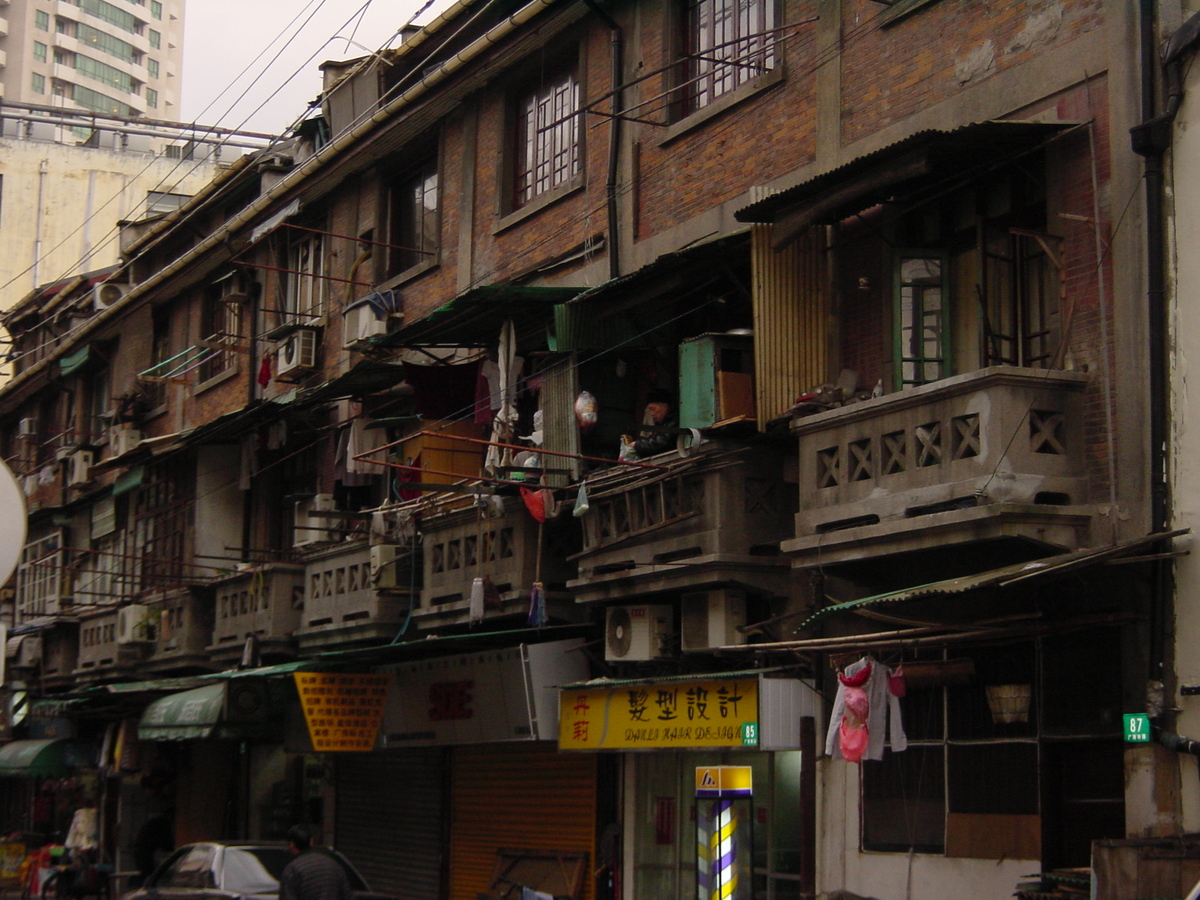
x=210 y=871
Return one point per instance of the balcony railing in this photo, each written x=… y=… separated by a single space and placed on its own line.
x=185 y=628
x=1000 y=439
x=355 y=592
x=465 y=544
x=264 y=602
x=105 y=647
x=724 y=508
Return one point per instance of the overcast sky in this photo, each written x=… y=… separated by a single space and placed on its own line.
x=269 y=51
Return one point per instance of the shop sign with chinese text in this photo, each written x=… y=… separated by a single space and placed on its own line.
x=342 y=710
x=711 y=713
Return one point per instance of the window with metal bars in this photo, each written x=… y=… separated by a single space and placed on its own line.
x=548 y=152
x=726 y=43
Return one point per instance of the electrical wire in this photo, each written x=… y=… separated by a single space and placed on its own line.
x=202 y=131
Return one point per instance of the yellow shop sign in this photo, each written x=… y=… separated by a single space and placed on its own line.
x=711 y=713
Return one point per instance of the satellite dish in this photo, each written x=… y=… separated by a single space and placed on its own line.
x=620 y=631
x=12 y=523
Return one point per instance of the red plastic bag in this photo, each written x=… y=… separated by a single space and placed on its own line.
x=539 y=503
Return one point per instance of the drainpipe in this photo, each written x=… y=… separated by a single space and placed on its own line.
x=1151 y=140
x=614 y=137
x=43 y=169
x=254 y=290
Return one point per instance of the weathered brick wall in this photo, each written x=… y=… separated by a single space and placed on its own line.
x=892 y=72
x=755 y=141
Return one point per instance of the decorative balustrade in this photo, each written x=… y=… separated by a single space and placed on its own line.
x=725 y=507
x=999 y=436
x=265 y=602
x=184 y=628
x=355 y=592
x=470 y=543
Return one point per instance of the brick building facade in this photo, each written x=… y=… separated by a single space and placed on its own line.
x=878 y=260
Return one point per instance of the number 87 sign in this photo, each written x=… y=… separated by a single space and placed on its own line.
x=1137 y=728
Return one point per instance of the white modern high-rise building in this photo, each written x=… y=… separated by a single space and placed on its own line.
x=120 y=57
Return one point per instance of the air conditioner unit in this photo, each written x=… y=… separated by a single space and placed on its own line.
x=710 y=619
x=383 y=565
x=636 y=632
x=80 y=463
x=27 y=427
x=361 y=322
x=298 y=351
x=134 y=625
x=246 y=699
x=310 y=528
x=122 y=439
x=107 y=293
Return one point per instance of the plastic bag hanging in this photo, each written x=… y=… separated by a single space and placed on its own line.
x=537 y=605
x=539 y=503
x=475 y=610
x=581 y=500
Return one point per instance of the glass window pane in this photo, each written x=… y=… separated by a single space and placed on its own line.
x=786 y=831
x=1016 y=793
x=903 y=803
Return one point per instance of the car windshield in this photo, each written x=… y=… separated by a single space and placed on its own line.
x=254 y=870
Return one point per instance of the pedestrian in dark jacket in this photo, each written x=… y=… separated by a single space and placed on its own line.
x=311 y=875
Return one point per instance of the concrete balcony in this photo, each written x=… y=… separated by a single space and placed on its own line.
x=991 y=454
x=713 y=518
x=184 y=630
x=67 y=42
x=460 y=546
x=60 y=654
x=263 y=602
x=104 y=651
x=354 y=594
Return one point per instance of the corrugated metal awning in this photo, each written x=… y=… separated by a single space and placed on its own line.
x=1002 y=577
x=599 y=318
x=598 y=683
x=927 y=157
x=474 y=318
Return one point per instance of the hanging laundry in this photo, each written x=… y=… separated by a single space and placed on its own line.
x=853 y=733
x=264 y=371
x=883 y=723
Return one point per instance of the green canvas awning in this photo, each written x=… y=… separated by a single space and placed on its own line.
x=129 y=480
x=46 y=758
x=184 y=716
x=76 y=361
